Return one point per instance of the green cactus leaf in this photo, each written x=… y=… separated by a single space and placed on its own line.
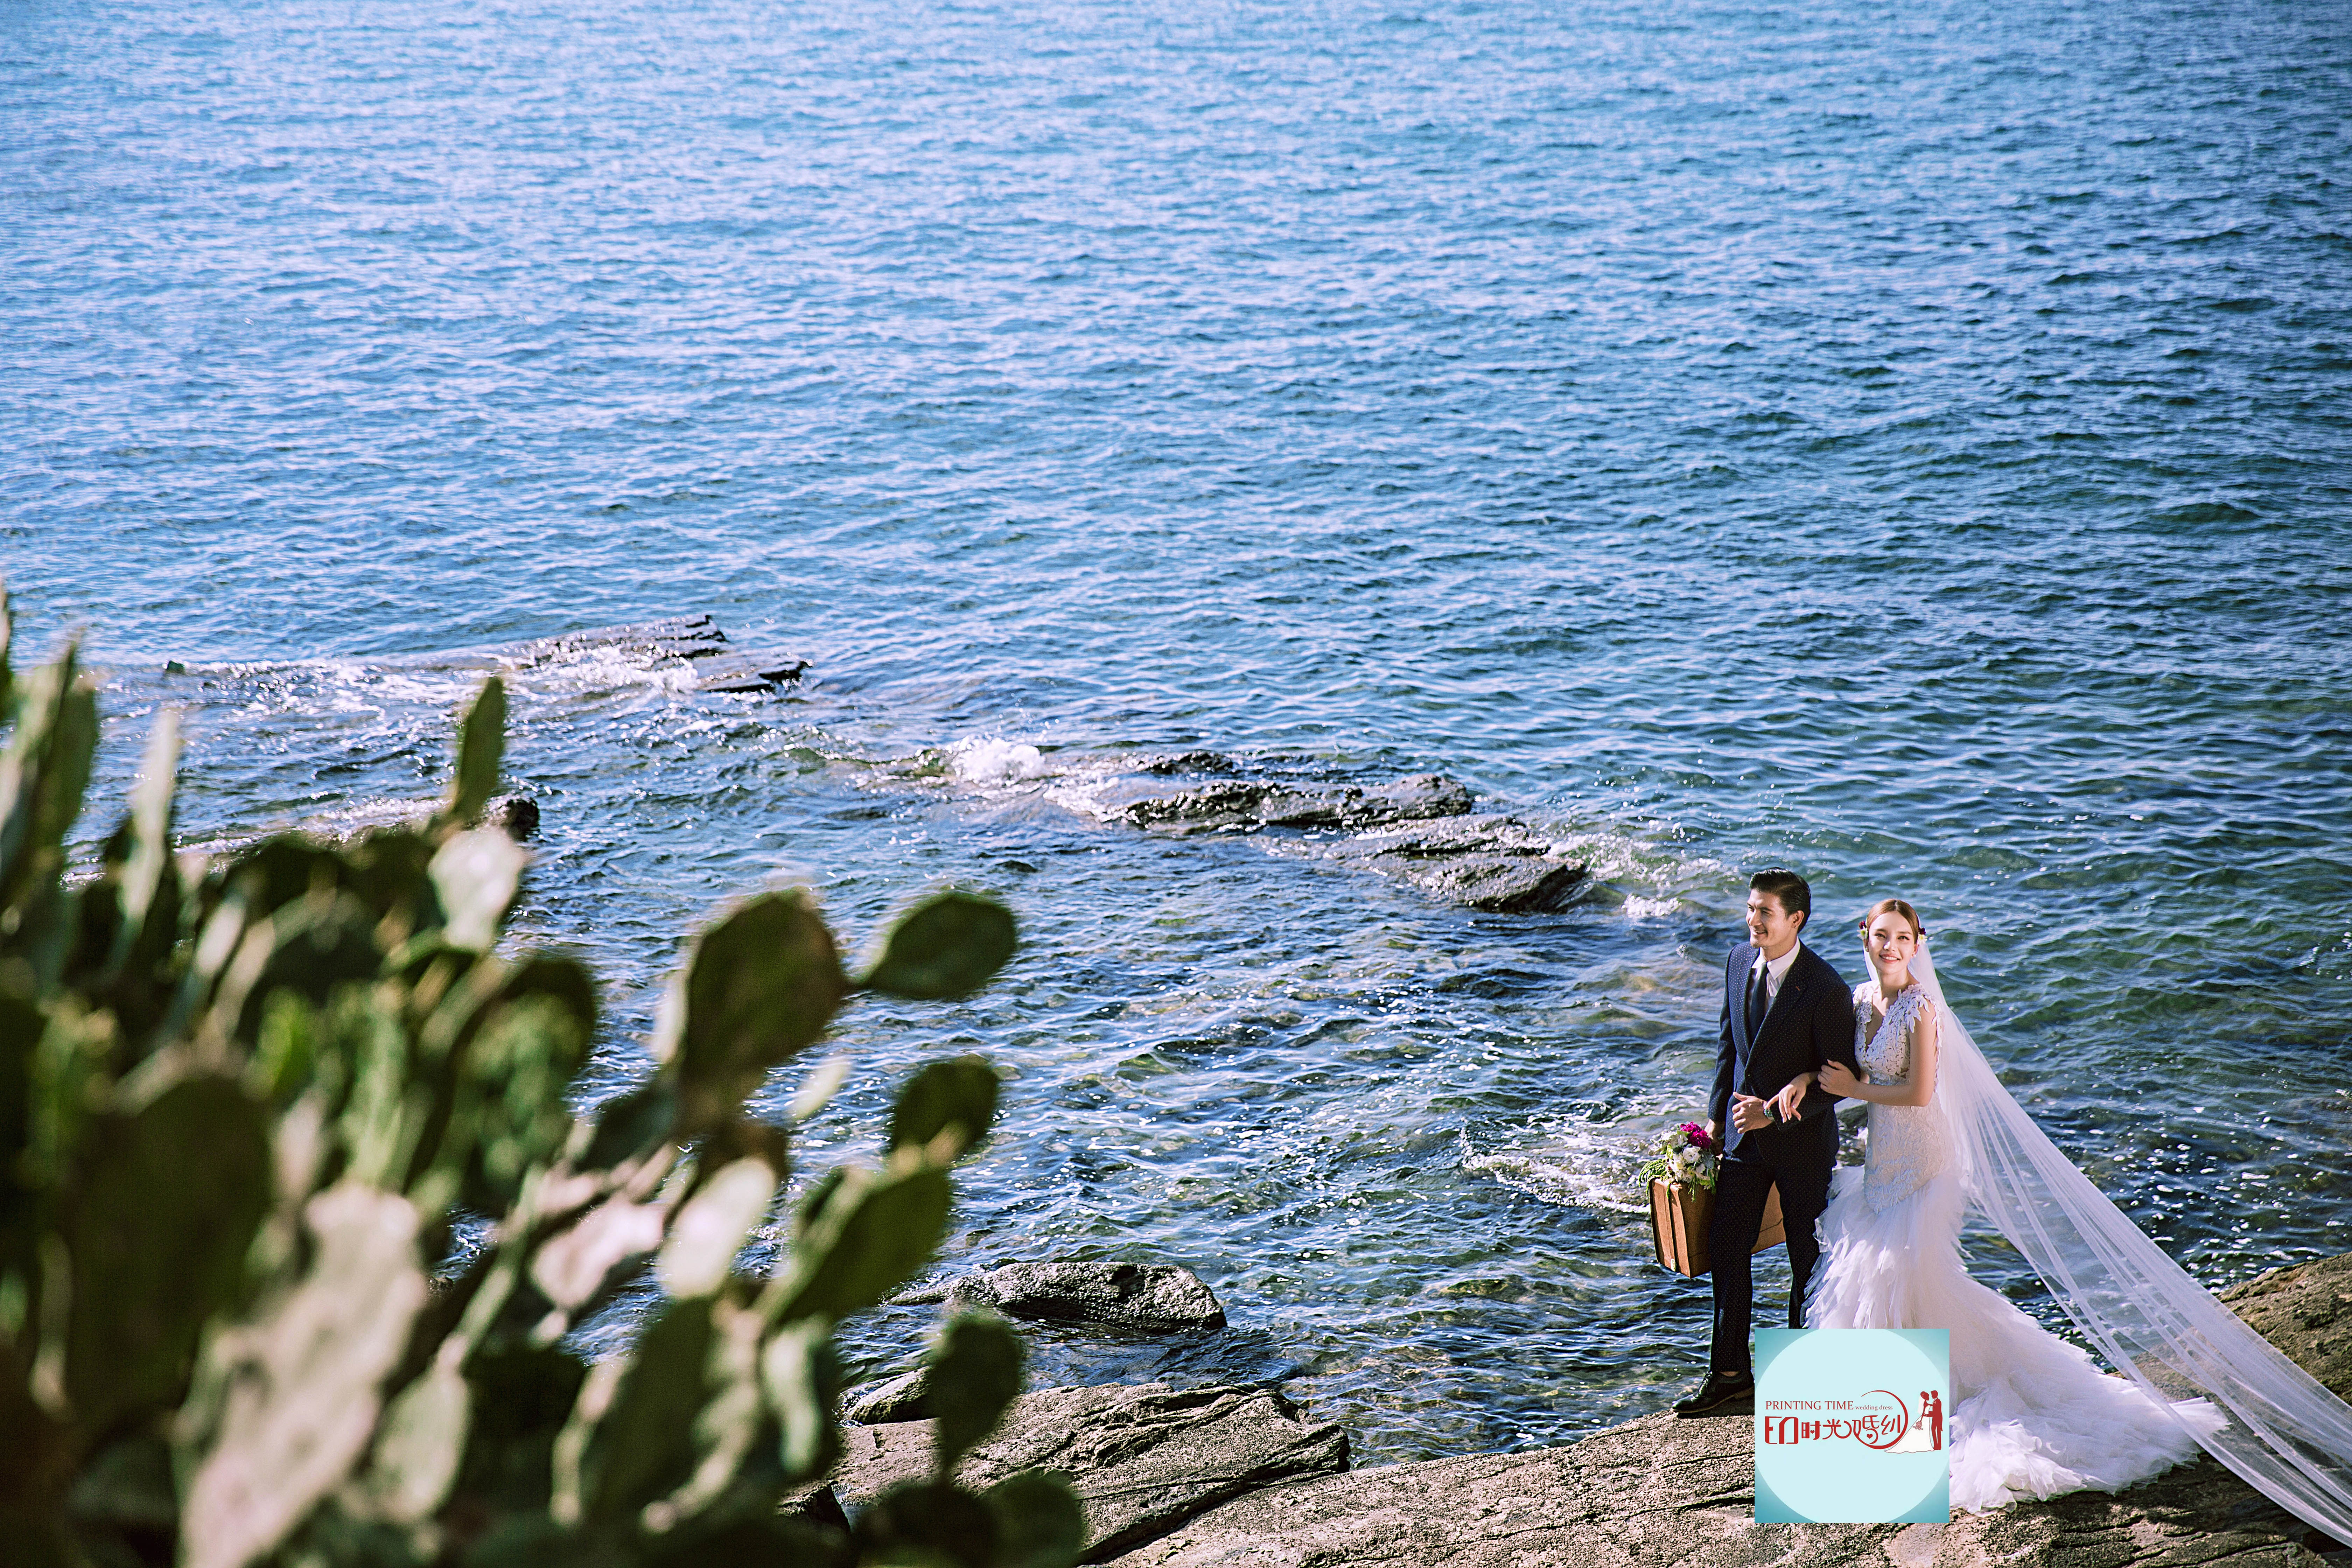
x=928 y=1523
x=759 y=988
x=820 y=1193
x=1040 y=1522
x=43 y=775
x=560 y=979
x=711 y=1228
x=128 y=1485
x=957 y=1096
x=518 y=1068
x=947 y=946
x=801 y=1380
x=476 y=875
x=751 y=1543
x=630 y=1126
x=641 y=1447
x=522 y=1396
x=311 y=949
x=21 y=1027
x=150 y=878
x=873 y=1233
x=417 y=1447
x=976 y=1372
x=170 y=1199
x=302 y=1381
x=481 y=751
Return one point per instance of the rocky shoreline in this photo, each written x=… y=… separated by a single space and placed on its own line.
x=1234 y=1477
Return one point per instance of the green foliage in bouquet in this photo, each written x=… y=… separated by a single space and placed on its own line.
x=247 y=1103
x=1687 y=1155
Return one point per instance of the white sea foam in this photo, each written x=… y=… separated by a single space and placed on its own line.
x=1638 y=908
x=1574 y=1163
x=992 y=760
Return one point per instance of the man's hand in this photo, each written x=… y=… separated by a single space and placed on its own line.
x=1791 y=1097
x=1749 y=1113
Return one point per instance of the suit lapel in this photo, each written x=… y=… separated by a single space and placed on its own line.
x=1743 y=960
x=1784 y=1005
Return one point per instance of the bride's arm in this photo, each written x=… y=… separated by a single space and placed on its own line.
x=1915 y=1089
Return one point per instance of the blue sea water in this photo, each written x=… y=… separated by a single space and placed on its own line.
x=1906 y=440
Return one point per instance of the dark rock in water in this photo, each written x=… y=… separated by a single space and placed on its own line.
x=678 y=637
x=1190 y=762
x=1244 y=802
x=1210 y=805
x=1144 y=1298
x=518 y=814
x=1511 y=884
x=743 y=672
x=1142 y=1459
x=718 y=665
x=816 y=1505
x=2307 y=1311
x=1416 y=797
x=907 y=1397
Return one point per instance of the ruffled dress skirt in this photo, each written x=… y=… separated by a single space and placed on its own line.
x=2031 y=1415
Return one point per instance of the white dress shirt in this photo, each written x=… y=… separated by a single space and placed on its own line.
x=1774 y=972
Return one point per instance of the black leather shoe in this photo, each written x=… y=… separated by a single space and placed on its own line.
x=1722 y=1392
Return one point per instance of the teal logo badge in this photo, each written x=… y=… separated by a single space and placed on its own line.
x=1851 y=1425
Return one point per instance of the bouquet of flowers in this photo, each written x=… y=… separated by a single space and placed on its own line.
x=1687 y=1155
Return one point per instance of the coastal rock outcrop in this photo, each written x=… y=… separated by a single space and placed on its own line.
x=718 y=664
x=1143 y=1459
x=1485 y=861
x=906 y=1397
x=1422 y=829
x=1234 y=802
x=1141 y=1298
x=1681 y=1494
x=1663 y=1493
x=2307 y=1311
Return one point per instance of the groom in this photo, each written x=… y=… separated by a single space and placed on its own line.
x=1785 y=1013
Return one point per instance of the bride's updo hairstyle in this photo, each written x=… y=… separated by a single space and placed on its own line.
x=1898 y=907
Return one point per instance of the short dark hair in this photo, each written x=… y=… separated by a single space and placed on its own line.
x=1796 y=895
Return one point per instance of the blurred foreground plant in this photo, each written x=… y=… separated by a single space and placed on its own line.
x=243 y=1105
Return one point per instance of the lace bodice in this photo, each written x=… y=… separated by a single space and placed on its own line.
x=1906 y=1141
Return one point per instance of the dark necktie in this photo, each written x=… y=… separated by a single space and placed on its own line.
x=1758 y=999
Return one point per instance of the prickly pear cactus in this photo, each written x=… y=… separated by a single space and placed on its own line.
x=244 y=1104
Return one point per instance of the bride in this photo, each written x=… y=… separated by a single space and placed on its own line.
x=2032 y=1415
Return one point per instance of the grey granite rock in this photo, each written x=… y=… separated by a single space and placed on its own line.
x=2307 y=1311
x=1500 y=884
x=1662 y=1493
x=1416 y=797
x=1143 y=1298
x=1228 y=803
x=1245 y=803
x=906 y=1397
x=1142 y=1459
x=1190 y=762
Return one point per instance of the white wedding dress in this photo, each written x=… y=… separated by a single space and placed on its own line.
x=2031 y=1415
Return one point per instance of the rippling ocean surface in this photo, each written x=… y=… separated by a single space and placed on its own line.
x=1907 y=441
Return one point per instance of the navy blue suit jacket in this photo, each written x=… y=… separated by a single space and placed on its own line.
x=1811 y=1022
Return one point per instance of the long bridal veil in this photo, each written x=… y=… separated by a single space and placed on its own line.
x=2288 y=1437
